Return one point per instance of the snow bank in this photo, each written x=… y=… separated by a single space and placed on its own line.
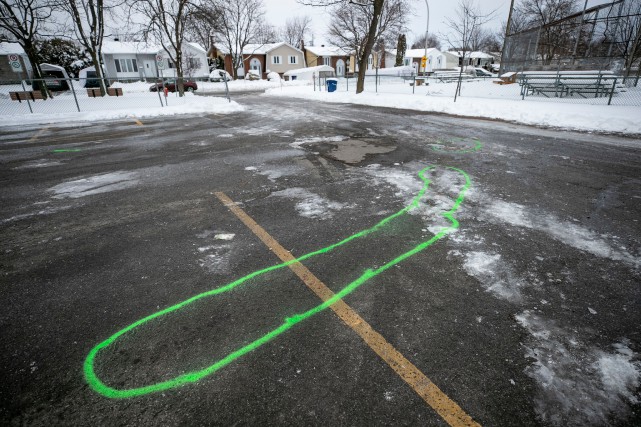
x=132 y=105
x=603 y=118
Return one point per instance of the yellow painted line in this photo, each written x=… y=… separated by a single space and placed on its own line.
x=37 y=135
x=449 y=410
x=138 y=122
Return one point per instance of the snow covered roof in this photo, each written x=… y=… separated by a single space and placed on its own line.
x=475 y=54
x=7 y=48
x=327 y=50
x=113 y=47
x=259 y=48
x=198 y=47
x=417 y=53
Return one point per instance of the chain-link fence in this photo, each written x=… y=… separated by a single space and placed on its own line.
x=606 y=37
x=63 y=95
x=574 y=87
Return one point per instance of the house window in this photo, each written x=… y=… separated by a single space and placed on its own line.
x=126 y=66
x=327 y=61
x=293 y=59
x=170 y=64
x=406 y=62
x=193 y=63
x=275 y=59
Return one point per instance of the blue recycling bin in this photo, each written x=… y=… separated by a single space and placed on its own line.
x=331 y=85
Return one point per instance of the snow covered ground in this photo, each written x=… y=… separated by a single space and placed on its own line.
x=480 y=98
x=484 y=99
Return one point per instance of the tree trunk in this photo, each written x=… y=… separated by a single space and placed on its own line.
x=362 y=61
x=34 y=58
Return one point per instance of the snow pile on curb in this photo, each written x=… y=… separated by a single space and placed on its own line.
x=613 y=118
x=131 y=106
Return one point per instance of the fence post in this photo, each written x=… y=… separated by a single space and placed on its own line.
x=24 y=90
x=614 y=85
x=158 y=90
x=75 y=98
x=414 y=85
x=227 y=87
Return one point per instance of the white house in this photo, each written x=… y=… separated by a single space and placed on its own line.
x=137 y=60
x=412 y=58
x=475 y=59
x=452 y=59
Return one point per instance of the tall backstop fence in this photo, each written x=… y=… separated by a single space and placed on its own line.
x=606 y=37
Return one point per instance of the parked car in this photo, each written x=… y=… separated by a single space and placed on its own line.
x=91 y=79
x=480 y=72
x=54 y=83
x=219 y=76
x=171 y=86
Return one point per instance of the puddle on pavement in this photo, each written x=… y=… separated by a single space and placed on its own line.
x=352 y=151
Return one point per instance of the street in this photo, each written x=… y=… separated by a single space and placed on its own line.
x=477 y=271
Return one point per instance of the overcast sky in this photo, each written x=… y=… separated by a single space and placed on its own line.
x=279 y=10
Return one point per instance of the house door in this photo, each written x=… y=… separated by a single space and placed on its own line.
x=255 y=64
x=149 y=69
x=340 y=68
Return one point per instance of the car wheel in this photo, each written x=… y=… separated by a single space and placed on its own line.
x=190 y=89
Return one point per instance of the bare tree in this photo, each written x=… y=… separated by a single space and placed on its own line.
x=88 y=18
x=199 y=24
x=23 y=21
x=539 y=13
x=358 y=25
x=191 y=63
x=296 y=29
x=238 y=24
x=467 y=21
x=165 y=22
x=265 y=33
x=432 y=41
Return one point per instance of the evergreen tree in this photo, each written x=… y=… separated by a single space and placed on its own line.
x=401 y=48
x=65 y=53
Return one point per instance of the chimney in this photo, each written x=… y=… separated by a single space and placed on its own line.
x=302 y=45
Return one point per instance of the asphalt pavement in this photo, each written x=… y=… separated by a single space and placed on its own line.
x=315 y=264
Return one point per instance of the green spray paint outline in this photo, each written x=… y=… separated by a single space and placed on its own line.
x=100 y=387
x=476 y=147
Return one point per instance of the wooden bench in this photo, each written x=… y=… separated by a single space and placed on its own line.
x=25 y=95
x=94 y=92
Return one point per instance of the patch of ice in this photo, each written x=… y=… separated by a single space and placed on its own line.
x=578 y=385
x=224 y=236
x=563 y=231
x=389 y=395
x=95 y=185
x=47 y=211
x=494 y=275
x=311 y=205
x=218 y=260
x=316 y=139
x=251 y=168
x=42 y=163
